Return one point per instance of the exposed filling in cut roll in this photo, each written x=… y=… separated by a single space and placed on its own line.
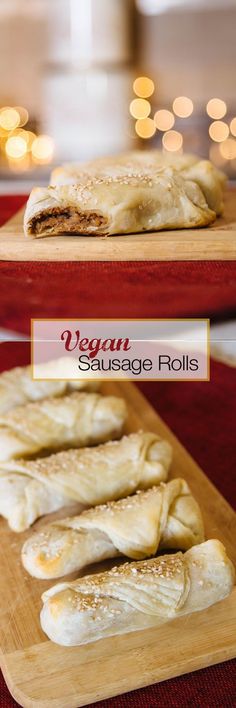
x=66 y=219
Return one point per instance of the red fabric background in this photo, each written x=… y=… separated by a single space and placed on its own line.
x=202 y=414
x=138 y=289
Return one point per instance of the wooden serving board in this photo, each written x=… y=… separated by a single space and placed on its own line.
x=216 y=242
x=41 y=674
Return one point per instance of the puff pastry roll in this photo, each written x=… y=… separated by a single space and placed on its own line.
x=162 y=517
x=135 y=596
x=103 y=206
x=90 y=476
x=56 y=423
x=203 y=172
x=17 y=386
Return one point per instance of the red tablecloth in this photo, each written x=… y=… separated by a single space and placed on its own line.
x=138 y=289
x=202 y=414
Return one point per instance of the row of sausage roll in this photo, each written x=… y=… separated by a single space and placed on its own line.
x=134 y=512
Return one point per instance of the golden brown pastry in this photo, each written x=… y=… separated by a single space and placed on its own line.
x=162 y=517
x=136 y=596
x=17 y=386
x=90 y=476
x=56 y=423
x=103 y=206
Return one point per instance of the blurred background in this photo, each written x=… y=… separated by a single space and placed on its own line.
x=82 y=78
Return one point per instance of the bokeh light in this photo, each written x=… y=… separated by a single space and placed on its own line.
x=233 y=126
x=9 y=118
x=27 y=135
x=143 y=86
x=21 y=148
x=140 y=108
x=16 y=147
x=24 y=115
x=216 y=108
x=145 y=128
x=215 y=155
x=183 y=106
x=172 y=141
x=164 y=120
x=42 y=148
x=218 y=131
x=228 y=149
x=30 y=137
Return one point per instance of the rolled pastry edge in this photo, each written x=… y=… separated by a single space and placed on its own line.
x=106 y=422
x=72 y=543
x=70 y=617
x=26 y=492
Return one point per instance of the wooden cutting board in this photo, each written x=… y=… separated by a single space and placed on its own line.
x=41 y=674
x=217 y=242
